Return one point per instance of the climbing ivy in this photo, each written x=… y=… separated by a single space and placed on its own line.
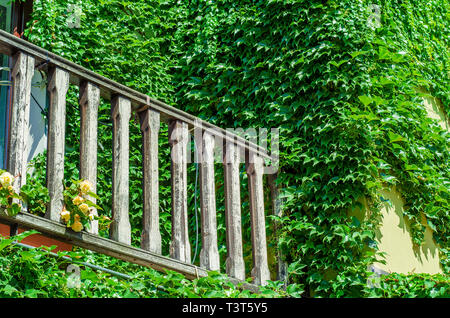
x=344 y=92
x=344 y=87
x=134 y=37
x=34 y=273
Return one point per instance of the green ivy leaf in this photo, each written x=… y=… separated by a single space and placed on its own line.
x=366 y=100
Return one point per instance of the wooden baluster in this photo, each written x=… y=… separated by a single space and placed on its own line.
x=120 y=229
x=180 y=248
x=58 y=84
x=277 y=211
x=209 y=255
x=22 y=74
x=151 y=236
x=235 y=266
x=89 y=101
x=260 y=271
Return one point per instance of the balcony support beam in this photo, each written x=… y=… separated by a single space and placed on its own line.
x=151 y=236
x=22 y=74
x=89 y=102
x=120 y=229
x=58 y=84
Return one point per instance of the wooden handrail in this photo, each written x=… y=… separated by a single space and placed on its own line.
x=10 y=44
x=125 y=101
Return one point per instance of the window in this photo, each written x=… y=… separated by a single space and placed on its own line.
x=13 y=18
x=5 y=24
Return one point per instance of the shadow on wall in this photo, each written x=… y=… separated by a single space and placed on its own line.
x=394 y=239
x=435 y=109
x=394 y=234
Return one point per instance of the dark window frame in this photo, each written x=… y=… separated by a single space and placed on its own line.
x=21 y=14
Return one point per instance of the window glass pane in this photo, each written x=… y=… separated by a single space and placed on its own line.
x=5 y=24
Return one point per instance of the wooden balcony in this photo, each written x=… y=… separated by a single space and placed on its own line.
x=126 y=104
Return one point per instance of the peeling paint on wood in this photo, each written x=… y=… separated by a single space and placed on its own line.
x=22 y=74
x=235 y=265
x=120 y=229
x=209 y=255
x=58 y=85
x=255 y=168
x=180 y=248
x=89 y=102
x=151 y=236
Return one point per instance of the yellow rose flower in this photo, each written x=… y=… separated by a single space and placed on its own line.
x=6 y=179
x=65 y=215
x=85 y=186
x=78 y=200
x=84 y=208
x=77 y=226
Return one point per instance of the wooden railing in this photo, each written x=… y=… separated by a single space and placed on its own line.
x=124 y=102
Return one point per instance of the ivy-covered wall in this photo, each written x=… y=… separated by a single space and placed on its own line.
x=435 y=110
x=340 y=81
x=394 y=240
x=342 y=86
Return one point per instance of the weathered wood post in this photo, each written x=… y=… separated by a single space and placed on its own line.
x=209 y=255
x=235 y=265
x=89 y=102
x=120 y=229
x=255 y=167
x=180 y=248
x=22 y=74
x=58 y=84
x=277 y=211
x=151 y=236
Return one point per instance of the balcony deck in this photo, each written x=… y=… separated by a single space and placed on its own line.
x=126 y=103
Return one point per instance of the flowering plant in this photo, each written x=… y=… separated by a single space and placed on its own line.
x=7 y=194
x=78 y=210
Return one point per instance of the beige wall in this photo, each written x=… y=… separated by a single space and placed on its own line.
x=394 y=234
x=435 y=110
x=394 y=238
